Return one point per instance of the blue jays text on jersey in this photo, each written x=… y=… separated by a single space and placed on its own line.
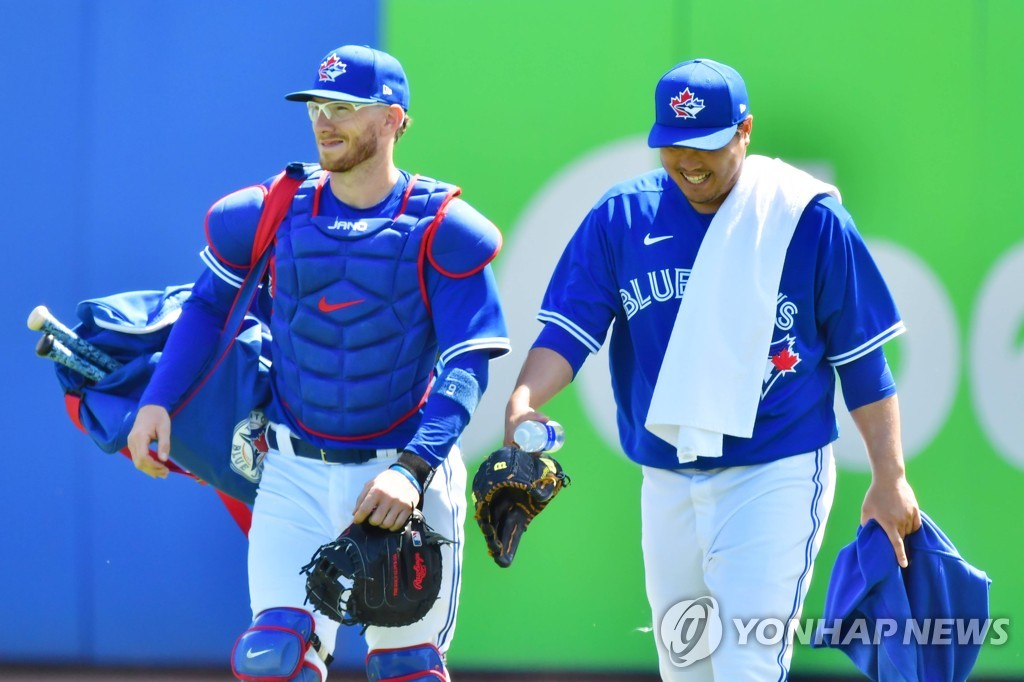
x=627 y=267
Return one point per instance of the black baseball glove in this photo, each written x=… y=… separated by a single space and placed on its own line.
x=373 y=576
x=510 y=488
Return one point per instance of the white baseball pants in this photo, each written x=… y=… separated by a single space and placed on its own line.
x=304 y=503
x=745 y=536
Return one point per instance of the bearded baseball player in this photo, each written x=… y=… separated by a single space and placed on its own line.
x=384 y=315
x=735 y=288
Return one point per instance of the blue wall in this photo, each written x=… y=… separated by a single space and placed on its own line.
x=123 y=120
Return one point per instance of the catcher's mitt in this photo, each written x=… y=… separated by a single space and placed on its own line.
x=510 y=488
x=373 y=576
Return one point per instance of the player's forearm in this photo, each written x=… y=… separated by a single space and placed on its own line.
x=544 y=374
x=443 y=423
x=890 y=501
x=456 y=394
x=879 y=426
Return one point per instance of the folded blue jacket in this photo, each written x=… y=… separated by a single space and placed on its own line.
x=925 y=622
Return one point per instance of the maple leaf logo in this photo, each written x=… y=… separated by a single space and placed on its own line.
x=260 y=442
x=782 y=360
x=686 y=105
x=785 y=360
x=331 y=68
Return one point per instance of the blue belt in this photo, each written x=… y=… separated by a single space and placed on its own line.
x=329 y=455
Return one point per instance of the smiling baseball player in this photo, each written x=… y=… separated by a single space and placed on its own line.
x=384 y=315
x=734 y=288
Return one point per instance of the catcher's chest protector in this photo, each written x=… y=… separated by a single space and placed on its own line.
x=354 y=341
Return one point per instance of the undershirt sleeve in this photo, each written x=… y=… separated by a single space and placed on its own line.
x=444 y=419
x=192 y=341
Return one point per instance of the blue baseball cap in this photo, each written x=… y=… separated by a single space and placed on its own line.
x=698 y=104
x=357 y=73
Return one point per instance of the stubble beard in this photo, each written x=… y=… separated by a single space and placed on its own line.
x=361 y=149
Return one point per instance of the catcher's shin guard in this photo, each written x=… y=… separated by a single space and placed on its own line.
x=274 y=648
x=421 y=662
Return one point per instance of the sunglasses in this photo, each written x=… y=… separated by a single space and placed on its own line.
x=336 y=111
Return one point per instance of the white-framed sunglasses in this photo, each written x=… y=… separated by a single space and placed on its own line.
x=336 y=111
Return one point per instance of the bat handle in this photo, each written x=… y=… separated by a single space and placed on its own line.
x=41 y=319
x=89 y=352
x=50 y=347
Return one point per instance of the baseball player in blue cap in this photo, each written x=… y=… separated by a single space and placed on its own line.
x=735 y=287
x=384 y=315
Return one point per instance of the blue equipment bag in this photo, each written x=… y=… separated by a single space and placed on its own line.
x=133 y=327
x=213 y=427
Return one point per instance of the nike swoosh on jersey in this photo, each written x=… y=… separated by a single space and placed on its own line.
x=253 y=654
x=648 y=240
x=326 y=307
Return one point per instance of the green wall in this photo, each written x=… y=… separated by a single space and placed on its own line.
x=534 y=107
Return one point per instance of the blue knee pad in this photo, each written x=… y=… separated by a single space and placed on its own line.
x=423 y=662
x=274 y=647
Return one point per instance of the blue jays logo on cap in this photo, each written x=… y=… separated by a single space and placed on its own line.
x=686 y=105
x=698 y=104
x=358 y=74
x=331 y=68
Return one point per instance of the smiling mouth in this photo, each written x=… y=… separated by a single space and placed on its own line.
x=695 y=179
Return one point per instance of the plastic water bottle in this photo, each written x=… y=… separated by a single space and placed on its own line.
x=534 y=436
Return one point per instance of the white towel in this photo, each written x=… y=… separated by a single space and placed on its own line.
x=711 y=377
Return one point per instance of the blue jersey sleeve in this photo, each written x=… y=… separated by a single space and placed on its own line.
x=555 y=337
x=467 y=315
x=581 y=299
x=866 y=380
x=230 y=229
x=856 y=312
x=469 y=325
x=465 y=307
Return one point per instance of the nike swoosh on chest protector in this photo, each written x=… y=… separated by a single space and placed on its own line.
x=326 y=307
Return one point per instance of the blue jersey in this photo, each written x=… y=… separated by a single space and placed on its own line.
x=627 y=267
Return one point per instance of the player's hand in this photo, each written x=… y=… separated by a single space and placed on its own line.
x=152 y=423
x=387 y=500
x=516 y=414
x=893 y=505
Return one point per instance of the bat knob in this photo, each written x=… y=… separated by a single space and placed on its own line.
x=37 y=317
x=45 y=345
